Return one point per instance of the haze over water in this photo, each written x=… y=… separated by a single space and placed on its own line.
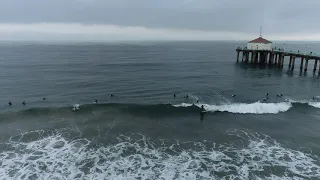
x=143 y=132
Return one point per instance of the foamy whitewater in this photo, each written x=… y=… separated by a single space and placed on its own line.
x=135 y=157
x=243 y=108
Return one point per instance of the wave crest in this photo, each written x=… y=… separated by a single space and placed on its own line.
x=243 y=108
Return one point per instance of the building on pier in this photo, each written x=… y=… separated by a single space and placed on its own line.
x=259 y=44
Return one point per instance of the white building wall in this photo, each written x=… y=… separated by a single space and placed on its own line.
x=259 y=46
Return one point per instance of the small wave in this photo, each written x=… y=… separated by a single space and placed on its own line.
x=310 y=103
x=133 y=156
x=243 y=108
x=314 y=104
x=183 y=105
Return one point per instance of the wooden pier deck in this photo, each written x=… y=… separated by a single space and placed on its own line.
x=276 y=58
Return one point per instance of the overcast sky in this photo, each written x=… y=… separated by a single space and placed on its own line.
x=104 y=20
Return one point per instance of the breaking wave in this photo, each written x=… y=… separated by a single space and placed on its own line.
x=167 y=109
x=243 y=108
x=134 y=156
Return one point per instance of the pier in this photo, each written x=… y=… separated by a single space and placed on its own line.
x=260 y=51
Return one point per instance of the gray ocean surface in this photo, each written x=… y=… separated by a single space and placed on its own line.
x=143 y=131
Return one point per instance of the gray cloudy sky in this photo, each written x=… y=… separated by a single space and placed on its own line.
x=158 y=19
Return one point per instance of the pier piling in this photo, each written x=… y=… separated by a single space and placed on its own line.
x=276 y=58
x=306 y=65
x=238 y=56
x=282 y=61
x=301 y=64
x=292 y=63
x=319 y=70
x=315 y=65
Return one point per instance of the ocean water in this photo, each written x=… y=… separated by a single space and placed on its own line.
x=143 y=131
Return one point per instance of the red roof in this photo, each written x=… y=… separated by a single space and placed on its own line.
x=260 y=40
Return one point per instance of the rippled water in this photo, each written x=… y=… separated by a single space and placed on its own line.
x=143 y=131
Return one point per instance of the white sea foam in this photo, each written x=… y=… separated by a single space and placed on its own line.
x=314 y=104
x=135 y=157
x=243 y=108
x=183 y=105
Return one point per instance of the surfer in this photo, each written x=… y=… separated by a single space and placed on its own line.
x=197 y=101
x=75 y=107
x=44 y=98
x=202 y=113
x=10 y=104
x=233 y=95
x=313 y=98
x=267 y=94
x=96 y=101
x=174 y=95
x=24 y=103
x=111 y=95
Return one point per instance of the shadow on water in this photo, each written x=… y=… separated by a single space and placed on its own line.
x=260 y=70
x=265 y=70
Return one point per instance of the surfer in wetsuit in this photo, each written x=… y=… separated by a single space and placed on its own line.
x=202 y=113
x=10 y=104
x=44 y=98
x=174 y=95
x=96 y=101
x=24 y=103
x=111 y=95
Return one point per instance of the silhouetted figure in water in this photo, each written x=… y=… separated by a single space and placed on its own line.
x=197 y=101
x=10 y=104
x=313 y=98
x=187 y=96
x=264 y=99
x=202 y=113
x=24 y=103
x=96 y=101
x=233 y=95
x=174 y=95
x=281 y=95
x=44 y=98
x=267 y=94
x=111 y=95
